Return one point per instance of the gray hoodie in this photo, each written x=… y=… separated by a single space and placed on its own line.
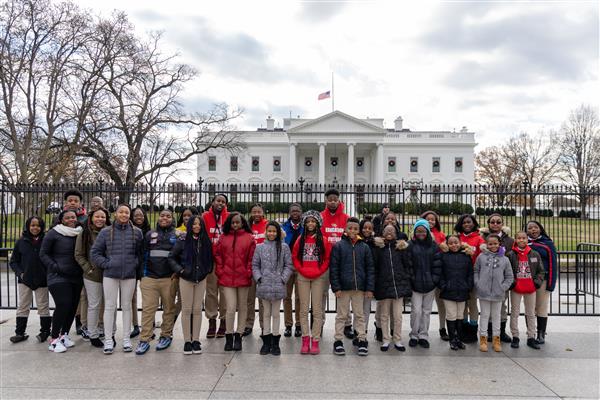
x=270 y=273
x=493 y=276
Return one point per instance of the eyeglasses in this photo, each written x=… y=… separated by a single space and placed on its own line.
x=495 y=221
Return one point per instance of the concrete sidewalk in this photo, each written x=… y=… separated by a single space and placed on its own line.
x=566 y=367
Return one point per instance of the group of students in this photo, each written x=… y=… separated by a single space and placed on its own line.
x=223 y=262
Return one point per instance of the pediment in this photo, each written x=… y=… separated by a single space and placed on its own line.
x=336 y=122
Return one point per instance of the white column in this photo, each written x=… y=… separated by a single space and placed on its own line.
x=379 y=164
x=322 y=162
x=350 y=174
x=293 y=163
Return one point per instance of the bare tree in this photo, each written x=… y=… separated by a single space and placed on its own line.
x=495 y=170
x=579 y=159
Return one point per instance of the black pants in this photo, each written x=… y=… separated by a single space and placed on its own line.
x=66 y=298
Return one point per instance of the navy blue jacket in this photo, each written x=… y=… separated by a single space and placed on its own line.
x=118 y=251
x=456 y=280
x=158 y=243
x=351 y=266
x=291 y=234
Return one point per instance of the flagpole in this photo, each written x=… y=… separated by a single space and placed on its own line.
x=332 y=94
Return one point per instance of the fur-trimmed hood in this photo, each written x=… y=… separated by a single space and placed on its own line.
x=486 y=231
x=465 y=248
x=400 y=244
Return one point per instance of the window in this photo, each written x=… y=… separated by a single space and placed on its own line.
x=212 y=163
x=391 y=164
x=255 y=164
x=458 y=164
x=360 y=164
x=414 y=164
x=307 y=164
x=233 y=164
x=277 y=164
x=435 y=165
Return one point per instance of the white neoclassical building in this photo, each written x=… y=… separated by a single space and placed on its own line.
x=338 y=147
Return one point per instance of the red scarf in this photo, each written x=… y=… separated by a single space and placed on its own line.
x=524 y=281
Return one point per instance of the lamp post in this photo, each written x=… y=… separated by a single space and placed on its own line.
x=301 y=182
x=526 y=191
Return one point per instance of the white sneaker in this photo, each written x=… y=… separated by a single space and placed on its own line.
x=67 y=341
x=108 y=346
x=57 y=346
x=127 y=348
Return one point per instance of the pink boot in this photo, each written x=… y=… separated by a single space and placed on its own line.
x=305 y=345
x=314 y=347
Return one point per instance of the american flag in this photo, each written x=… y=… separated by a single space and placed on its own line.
x=325 y=95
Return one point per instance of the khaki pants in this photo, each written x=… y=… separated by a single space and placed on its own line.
x=287 y=303
x=471 y=309
x=251 y=308
x=214 y=301
x=529 y=300
x=236 y=298
x=271 y=316
x=310 y=292
x=134 y=307
x=542 y=300
x=192 y=295
x=95 y=297
x=441 y=308
x=26 y=297
x=82 y=308
x=356 y=297
x=154 y=290
x=396 y=305
x=454 y=310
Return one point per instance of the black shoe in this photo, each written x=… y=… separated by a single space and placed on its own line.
x=503 y=336
x=541 y=329
x=424 y=343
x=18 y=338
x=247 y=332
x=349 y=332
x=196 y=347
x=85 y=335
x=384 y=347
x=78 y=324
x=228 y=342
x=187 y=348
x=45 y=323
x=363 y=348
x=20 y=334
x=96 y=342
x=288 y=331
x=413 y=342
x=338 y=348
x=453 y=345
x=378 y=334
x=275 y=350
x=514 y=343
x=531 y=342
x=460 y=344
x=298 y=331
x=135 y=331
x=266 y=347
x=237 y=342
x=444 y=335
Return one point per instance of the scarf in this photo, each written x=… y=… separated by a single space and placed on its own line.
x=68 y=231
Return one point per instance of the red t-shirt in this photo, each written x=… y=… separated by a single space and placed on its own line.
x=258 y=231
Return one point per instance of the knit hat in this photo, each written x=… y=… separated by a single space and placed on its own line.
x=423 y=223
x=312 y=214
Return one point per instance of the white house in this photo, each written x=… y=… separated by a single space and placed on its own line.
x=340 y=148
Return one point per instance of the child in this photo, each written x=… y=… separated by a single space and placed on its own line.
x=311 y=260
x=183 y=219
x=426 y=265
x=258 y=227
x=367 y=230
x=493 y=277
x=392 y=284
x=233 y=259
x=293 y=230
x=528 y=274
x=31 y=274
x=272 y=267
x=352 y=278
x=456 y=282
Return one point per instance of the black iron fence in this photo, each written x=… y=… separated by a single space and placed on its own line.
x=571 y=217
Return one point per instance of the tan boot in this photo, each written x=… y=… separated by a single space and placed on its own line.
x=497 y=344
x=483 y=344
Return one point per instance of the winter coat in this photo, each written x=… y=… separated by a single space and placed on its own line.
x=334 y=224
x=25 y=260
x=118 y=251
x=351 y=266
x=505 y=240
x=534 y=270
x=291 y=234
x=233 y=258
x=58 y=254
x=456 y=279
x=393 y=271
x=310 y=268
x=426 y=260
x=493 y=276
x=158 y=243
x=83 y=258
x=545 y=247
x=271 y=273
x=202 y=262
x=474 y=240
x=214 y=224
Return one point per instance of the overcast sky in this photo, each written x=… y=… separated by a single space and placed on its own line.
x=497 y=67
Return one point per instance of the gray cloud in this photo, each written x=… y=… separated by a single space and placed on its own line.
x=320 y=11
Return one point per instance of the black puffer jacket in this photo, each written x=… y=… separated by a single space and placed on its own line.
x=426 y=259
x=158 y=243
x=25 y=259
x=118 y=251
x=392 y=272
x=456 y=280
x=58 y=254
x=351 y=266
x=202 y=263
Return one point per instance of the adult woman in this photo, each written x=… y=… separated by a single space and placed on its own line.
x=541 y=242
x=64 y=277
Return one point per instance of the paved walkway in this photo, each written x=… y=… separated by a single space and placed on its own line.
x=567 y=367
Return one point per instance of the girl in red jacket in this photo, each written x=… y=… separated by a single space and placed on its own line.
x=233 y=260
x=311 y=260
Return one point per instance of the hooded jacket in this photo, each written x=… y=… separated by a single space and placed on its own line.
x=351 y=266
x=310 y=268
x=505 y=240
x=83 y=257
x=158 y=243
x=25 y=260
x=233 y=259
x=493 y=276
x=474 y=240
x=545 y=247
x=334 y=224
x=118 y=251
x=271 y=273
x=214 y=224
x=426 y=259
x=202 y=261
x=393 y=270
x=258 y=231
x=456 y=279
x=58 y=254
x=527 y=269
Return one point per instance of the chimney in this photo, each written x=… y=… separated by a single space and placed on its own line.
x=464 y=130
x=270 y=123
x=398 y=124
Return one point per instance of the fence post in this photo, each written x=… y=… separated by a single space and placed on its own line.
x=200 y=181
x=2 y=216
